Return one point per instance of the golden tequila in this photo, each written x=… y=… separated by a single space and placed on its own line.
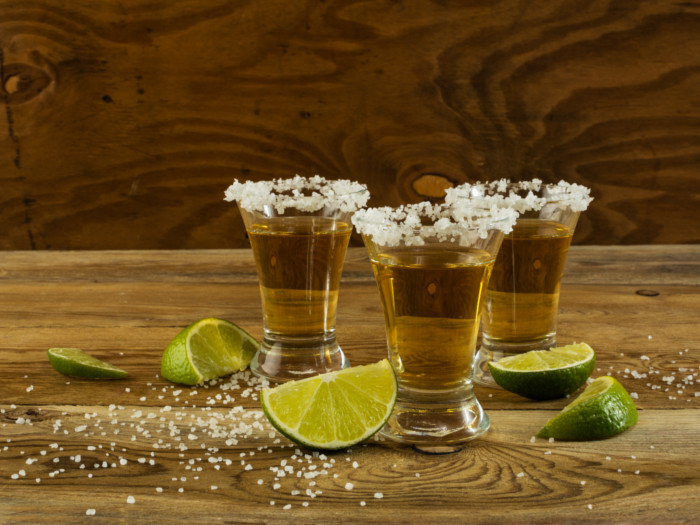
x=299 y=262
x=432 y=297
x=523 y=295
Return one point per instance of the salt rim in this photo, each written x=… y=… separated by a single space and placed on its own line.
x=346 y=195
x=465 y=220
x=503 y=191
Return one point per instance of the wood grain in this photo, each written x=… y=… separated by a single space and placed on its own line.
x=89 y=445
x=123 y=122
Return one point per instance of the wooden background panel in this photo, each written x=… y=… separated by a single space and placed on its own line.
x=125 y=121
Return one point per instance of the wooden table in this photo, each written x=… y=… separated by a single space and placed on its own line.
x=69 y=447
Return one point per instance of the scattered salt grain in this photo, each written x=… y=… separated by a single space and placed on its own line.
x=379 y=495
x=130 y=500
x=634 y=395
x=90 y=512
x=349 y=486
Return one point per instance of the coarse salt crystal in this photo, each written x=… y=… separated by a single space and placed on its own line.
x=90 y=512
x=411 y=224
x=130 y=500
x=349 y=486
x=303 y=193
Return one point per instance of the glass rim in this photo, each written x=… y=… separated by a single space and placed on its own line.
x=504 y=192
x=405 y=224
x=306 y=194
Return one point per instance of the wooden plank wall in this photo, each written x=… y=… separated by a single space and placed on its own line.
x=124 y=121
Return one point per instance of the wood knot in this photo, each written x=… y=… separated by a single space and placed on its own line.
x=22 y=82
x=647 y=293
x=431 y=185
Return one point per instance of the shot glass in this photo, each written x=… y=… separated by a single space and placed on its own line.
x=299 y=230
x=522 y=300
x=432 y=265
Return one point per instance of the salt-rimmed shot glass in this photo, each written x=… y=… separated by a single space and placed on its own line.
x=432 y=264
x=299 y=229
x=522 y=300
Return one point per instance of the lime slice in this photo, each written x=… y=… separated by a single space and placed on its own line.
x=603 y=410
x=73 y=362
x=208 y=349
x=333 y=410
x=545 y=374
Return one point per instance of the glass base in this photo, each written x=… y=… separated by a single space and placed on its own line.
x=422 y=421
x=493 y=351
x=289 y=359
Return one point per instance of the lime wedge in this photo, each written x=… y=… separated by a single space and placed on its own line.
x=603 y=410
x=73 y=362
x=207 y=349
x=545 y=374
x=333 y=410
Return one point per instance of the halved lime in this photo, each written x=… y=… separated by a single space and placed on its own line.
x=74 y=362
x=333 y=410
x=603 y=410
x=545 y=374
x=207 y=349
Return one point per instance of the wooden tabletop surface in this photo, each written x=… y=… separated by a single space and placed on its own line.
x=143 y=450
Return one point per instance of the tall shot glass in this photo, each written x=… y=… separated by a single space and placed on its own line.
x=522 y=300
x=432 y=265
x=299 y=230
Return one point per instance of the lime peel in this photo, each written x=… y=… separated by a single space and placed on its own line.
x=73 y=362
x=207 y=349
x=603 y=410
x=334 y=410
x=545 y=374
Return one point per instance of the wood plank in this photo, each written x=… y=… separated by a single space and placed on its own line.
x=123 y=123
x=503 y=474
x=126 y=306
x=651 y=264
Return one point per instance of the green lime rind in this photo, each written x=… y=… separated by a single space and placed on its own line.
x=334 y=410
x=546 y=383
x=73 y=362
x=207 y=349
x=600 y=416
x=174 y=365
